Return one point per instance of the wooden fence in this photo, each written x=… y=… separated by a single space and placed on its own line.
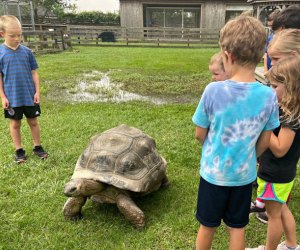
x=46 y=41
x=109 y=36
x=48 y=38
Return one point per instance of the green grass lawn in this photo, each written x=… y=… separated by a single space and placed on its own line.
x=31 y=195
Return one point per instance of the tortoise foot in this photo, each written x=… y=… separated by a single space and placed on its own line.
x=131 y=211
x=75 y=217
x=72 y=208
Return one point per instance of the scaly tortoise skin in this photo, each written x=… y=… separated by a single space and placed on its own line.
x=117 y=165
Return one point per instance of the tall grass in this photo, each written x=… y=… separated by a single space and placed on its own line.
x=31 y=194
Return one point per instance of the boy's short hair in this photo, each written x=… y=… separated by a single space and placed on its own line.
x=7 y=20
x=289 y=18
x=217 y=58
x=244 y=37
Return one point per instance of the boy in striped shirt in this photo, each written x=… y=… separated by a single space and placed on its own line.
x=19 y=86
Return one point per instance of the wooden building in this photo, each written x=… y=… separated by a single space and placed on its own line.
x=206 y=14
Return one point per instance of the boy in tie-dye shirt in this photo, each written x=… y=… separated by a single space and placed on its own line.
x=234 y=120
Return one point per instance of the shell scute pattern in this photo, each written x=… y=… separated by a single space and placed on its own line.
x=124 y=157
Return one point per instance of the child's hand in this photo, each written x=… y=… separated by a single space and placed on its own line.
x=5 y=103
x=36 y=98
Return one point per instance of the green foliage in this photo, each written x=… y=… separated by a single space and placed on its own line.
x=90 y=17
x=50 y=5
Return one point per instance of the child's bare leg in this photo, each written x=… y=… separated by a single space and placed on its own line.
x=237 y=238
x=205 y=237
x=275 y=228
x=35 y=131
x=15 y=132
x=289 y=226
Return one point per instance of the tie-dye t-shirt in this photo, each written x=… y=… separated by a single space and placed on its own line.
x=235 y=114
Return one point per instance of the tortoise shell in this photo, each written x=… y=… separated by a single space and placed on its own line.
x=124 y=157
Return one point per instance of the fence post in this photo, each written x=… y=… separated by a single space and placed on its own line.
x=78 y=38
x=62 y=40
x=53 y=38
x=158 y=42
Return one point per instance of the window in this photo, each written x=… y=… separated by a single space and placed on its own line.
x=173 y=18
x=177 y=17
x=191 y=18
x=155 y=18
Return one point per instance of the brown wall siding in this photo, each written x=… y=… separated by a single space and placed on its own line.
x=131 y=13
x=212 y=12
x=213 y=15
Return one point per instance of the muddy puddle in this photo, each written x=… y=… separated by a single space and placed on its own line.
x=102 y=90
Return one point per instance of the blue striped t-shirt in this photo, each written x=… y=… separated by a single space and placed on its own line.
x=16 y=67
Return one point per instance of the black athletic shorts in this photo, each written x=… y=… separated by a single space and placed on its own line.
x=17 y=112
x=217 y=203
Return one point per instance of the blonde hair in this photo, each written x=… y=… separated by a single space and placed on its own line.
x=7 y=20
x=287 y=72
x=217 y=58
x=286 y=41
x=244 y=37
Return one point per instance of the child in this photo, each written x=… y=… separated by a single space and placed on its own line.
x=233 y=139
x=279 y=163
x=216 y=68
x=267 y=59
x=284 y=44
x=288 y=18
x=19 y=86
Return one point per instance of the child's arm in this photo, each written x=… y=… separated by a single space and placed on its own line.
x=200 y=134
x=263 y=142
x=280 y=145
x=5 y=102
x=36 y=81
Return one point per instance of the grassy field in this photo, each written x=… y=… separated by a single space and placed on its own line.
x=31 y=195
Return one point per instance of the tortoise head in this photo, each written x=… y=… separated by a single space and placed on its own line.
x=83 y=187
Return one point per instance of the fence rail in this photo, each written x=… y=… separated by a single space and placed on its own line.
x=46 y=41
x=107 y=35
x=47 y=37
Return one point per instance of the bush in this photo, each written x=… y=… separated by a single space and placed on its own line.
x=91 y=18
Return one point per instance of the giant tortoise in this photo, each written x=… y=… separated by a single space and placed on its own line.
x=117 y=165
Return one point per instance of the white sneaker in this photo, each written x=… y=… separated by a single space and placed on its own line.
x=257 y=248
x=282 y=246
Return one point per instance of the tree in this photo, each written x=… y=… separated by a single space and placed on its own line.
x=47 y=7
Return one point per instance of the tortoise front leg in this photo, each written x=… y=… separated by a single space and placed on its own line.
x=72 y=208
x=131 y=211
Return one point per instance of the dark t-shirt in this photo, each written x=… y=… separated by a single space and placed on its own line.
x=281 y=170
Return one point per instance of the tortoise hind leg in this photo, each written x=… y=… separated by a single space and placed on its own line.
x=72 y=208
x=131 y=211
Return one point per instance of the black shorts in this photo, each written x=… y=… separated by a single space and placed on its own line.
x=230 y=204
x=28 y=111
